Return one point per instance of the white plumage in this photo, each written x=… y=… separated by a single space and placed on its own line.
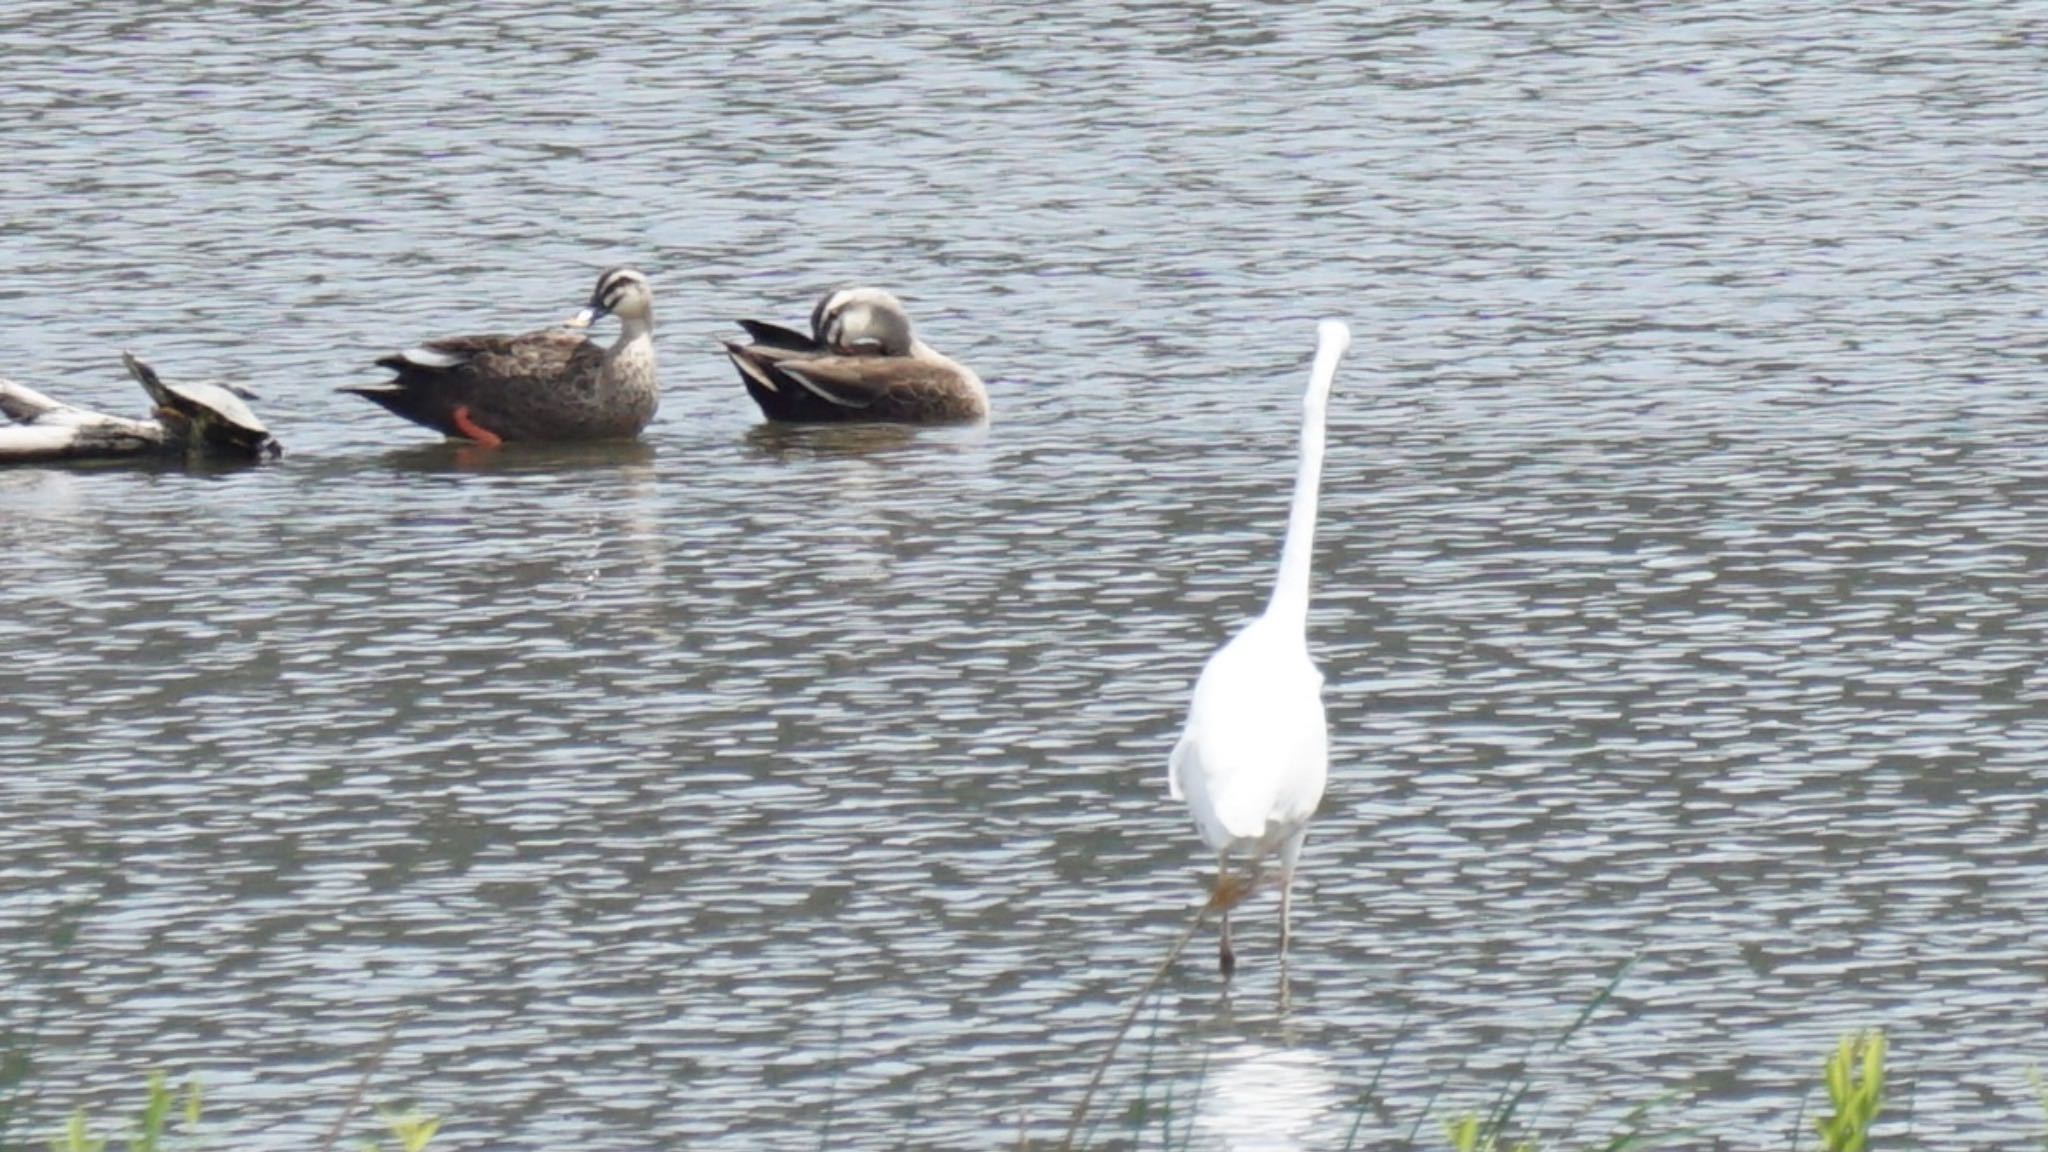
x=434 y=357
x=1255 y=754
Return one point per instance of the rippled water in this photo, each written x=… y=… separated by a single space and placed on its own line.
x=1680 y=585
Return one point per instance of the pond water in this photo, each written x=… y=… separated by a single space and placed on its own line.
x=1680 y=585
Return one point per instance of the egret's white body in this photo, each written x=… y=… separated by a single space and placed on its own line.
x=1255 y=754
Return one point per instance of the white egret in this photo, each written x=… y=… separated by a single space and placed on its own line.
x=1254 y=756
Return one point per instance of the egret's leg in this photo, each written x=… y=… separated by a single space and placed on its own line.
x=1289 y=853
x=1225 y=958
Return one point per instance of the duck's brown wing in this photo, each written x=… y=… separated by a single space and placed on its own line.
x=843 y=388
x=506 y=384
x=535 y=359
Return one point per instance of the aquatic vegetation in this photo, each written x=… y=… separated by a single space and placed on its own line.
x=18 y=1037
x=1219 y=899
x=152 y=1126
x=15 y=1065
x=1144 y=1111
x=2040 y=1087
x=1470 y=1134
x=1855 y=1082
x=169 y=1121
x=1853 y=1077
x=414 y=1129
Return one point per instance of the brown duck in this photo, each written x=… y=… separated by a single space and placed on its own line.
x=551 y=385
x=861 y=362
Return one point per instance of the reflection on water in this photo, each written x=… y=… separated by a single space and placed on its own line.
x=461 y=456
x=1257 y=1097
x=786 y=441
x=1678 y=582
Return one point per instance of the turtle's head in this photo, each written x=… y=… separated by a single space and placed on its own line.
x=147 y=377
x=167 y=410
x=621 y=292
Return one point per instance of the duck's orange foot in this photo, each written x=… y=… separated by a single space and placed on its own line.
x=474 y=430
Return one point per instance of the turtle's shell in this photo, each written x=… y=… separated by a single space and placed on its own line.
x=202 y=401
x=204 y=414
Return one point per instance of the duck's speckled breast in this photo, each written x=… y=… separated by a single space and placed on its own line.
x=629 y=389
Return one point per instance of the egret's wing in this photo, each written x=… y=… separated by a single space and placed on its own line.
x=1176 y=762
x=1255 y=754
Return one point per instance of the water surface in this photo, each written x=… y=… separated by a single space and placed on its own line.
x=1679 y=586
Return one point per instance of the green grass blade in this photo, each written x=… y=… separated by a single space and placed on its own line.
x=1594 y=1004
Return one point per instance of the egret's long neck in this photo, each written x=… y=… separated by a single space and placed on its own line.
x=1290 y=593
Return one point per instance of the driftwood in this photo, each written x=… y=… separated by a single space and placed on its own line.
x=196 y=419
x=46 y=429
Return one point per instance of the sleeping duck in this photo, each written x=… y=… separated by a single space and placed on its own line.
x=861 y=362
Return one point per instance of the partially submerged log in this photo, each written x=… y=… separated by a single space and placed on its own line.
x=46 y=429
x=202 y=419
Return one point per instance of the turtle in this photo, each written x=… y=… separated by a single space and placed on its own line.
x=205 y=416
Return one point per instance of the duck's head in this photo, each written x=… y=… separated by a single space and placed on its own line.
x=862 y=322
x=621 y=292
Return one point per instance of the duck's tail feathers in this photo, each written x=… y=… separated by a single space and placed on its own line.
x=425 y=358
x=753 y=369
x=776 y=336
